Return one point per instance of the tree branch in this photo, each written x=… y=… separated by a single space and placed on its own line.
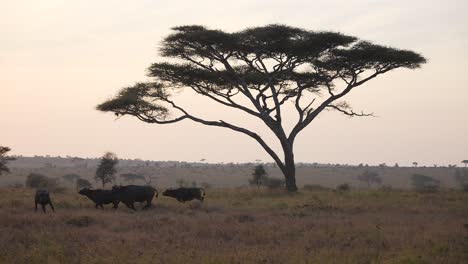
x=349 y=112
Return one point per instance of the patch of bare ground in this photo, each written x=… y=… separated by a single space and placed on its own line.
x=240 y=226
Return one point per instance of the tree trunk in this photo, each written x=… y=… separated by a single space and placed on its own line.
x=290 y=177
x=289 y=168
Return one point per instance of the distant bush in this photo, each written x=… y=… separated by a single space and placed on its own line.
x=36 y=180
x=314 y=187
x=344 y=187
x=423 y=183
x=461 y=177
x=132 y=177
x=82 y=183
x=71 y=177
x=274 y=183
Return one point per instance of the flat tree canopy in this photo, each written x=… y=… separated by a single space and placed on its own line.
x=259 y=71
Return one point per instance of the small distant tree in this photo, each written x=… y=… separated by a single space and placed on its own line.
x=107 y=168
x=423 y=183
x=397 y=165
x=71 y=178
x=415 y=164
x=465 y=162
x=4 y=158
x=259 y=176
x=82 y=183
x=132 y=177
x=369 y=177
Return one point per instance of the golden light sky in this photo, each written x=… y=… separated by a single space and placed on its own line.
x=59 y=59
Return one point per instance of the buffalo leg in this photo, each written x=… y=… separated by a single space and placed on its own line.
x=43 y=207
x=148 y=203
x=35 y=206
x=52 y=206
x=130 y=205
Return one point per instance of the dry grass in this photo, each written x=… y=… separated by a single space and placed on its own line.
x=241 y=226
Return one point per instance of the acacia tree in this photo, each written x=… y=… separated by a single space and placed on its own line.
x=4 y=158
x=465 y=162
x=106 y=170
x=259 y=71
x=369 y=177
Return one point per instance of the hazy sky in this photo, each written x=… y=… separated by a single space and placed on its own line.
x=59 y=59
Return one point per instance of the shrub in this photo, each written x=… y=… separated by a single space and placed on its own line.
x=344 y=187
x=423 y=183
x=82 y=183
x=71 y=178
x=132 y=177
x=274 y=183
x=36 y=180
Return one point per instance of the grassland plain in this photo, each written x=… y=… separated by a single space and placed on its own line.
x=241 y=226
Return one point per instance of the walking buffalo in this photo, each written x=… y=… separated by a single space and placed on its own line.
x=43 y=198
x=100 y=197
x=134 y=193
x=185 y=194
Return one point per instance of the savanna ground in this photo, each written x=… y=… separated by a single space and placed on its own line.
x=241 y=226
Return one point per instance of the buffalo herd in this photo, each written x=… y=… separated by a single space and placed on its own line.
x=128 y=195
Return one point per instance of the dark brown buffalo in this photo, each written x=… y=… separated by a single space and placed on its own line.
x=100 y=197
x=185 y=194
x=134 y=193
x=43 y=198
